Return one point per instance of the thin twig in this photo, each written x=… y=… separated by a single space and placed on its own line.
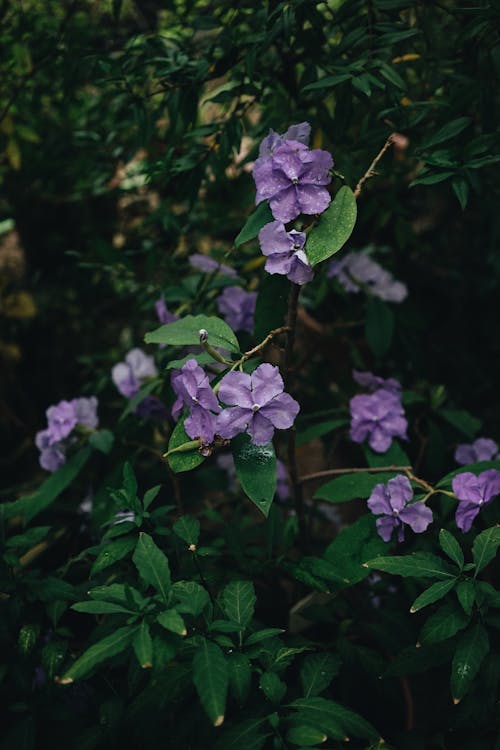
x=353 y=470
x=370 y=172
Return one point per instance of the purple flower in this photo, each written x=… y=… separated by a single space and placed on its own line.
x=378 y=417
x=293 y=178
x=192 y=387
x=300 y=132
x=392 y=503
x=163 y=313
x=258 y=404
x=237 y=307
x=61 y=420
x=206 y=264
x=374 y=382
x=128 y=376
x=473 y=492
x=285 y=252
x=86 y=412
x=52 y=455
x=356 y=271
x=482 y=449
x=151 y=407
x=283 y=480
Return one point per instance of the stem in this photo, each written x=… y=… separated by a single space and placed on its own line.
x=352 y=470
x=370 y=172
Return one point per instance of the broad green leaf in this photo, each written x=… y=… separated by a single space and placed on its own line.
x=305 y=736
x=472 y=648
x=171 y=620
x=150 y=495
x=351 y=486
x=462 y=421
x=210 y=677
x=186 y=332
x=319 y=430
x=111 y=552
x=31 y=505
x=349 y=549
x=417 y=565
x=102 y=440
x=460 y=187
x=244 y=735
x=182 y=461
x=444 y=623
x=187 y=529
x=152 y=564
x=203 y=359
x=120 y=593
x=451 y=547
x=271 y=305
x=113 y=644
x=240 y=676
x=238 y=602
x=273 y=688
x=259 y=218
x=418 y=660
x=486 y=593
x=100 y=608
x=191 y=597
x=466 y=592
x=395 y=456
x=143 y=646
x=317 y=672
x=485 y=547
x=379 y=326
x=256 y=469
x=432 y=594
x=450 y=130
x=262 y=635
x=334 y=719
x=334 y=227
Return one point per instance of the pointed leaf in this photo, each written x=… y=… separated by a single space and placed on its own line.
x=100 y=608
x=171 y=620
x=451 y=547
x=432 y=594
x=210 y=677
x=188 y=529
x=240 y=675
x=273 y=688
x=485 y=547
x=317 y=672
x=334 y=227
x=305 y=736
x=182 y=461
x=152 y=564
x=256 y=469
x=238 y=602
x=191 y=597
x=259 y=218
x=186 y=332
x=417 y=565
x=466 y=593
x=351 y=486
x=334 y=719
x=472 y=648
x=106 y=648
x=143 y=646
x=444 y=623
x=112 y=552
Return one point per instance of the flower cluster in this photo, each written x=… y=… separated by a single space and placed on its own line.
x=357 y=271
x=62 y=420
x=378 y=416
x=373 y=382
x=482 y=449
x=163 y=313
x=130 y=375
x=284 y=252
x=193 y=391
x=392 y=503
x=238 y=308
x=473 y=492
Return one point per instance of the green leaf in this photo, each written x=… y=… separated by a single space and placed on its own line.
x=334 y=227
x=305 y=736
x=245 y=735
x=102 y=440
x=238 y=602
x=461 y=189
x=100 y=608
x=204 y=358
x=444 y=623
x=120 y=593
x=466 y=592
x=485 y=547
x=273 y=688
x=171 y=620
x=240 y=676
x=150 y=495
x=211 y=677
x=432 y=594
x=334 y=719
x=448 y=131
x=113 y=644
x=145 y=390
x=271 y=305
x=416 y=565
x=143 y=646
x=182 y=461
x=317 y=672
x=327 y=82
x=432 y=179
x=349 y=549
x=471 y=650
x=475 y=468
x=451 y=547
x=262 y=635
x=152 y=564
x=256 y=469
x=188 y=529
x=395 y=456
x=351 y=486
x=112 y=552
x=379 y=326
x=259 y=218
x=186 y=332
x=462 y=421
x=191 y=597
x=319 y=430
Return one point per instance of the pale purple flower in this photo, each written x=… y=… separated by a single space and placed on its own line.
x=192 y=387
x=86 y=412
x=257 y=404
x=151 y=407
x=237 y=307
x=482 y=449
x=129 y=376
x=52 y=455
x=357 y=271
x=377 y=417
x=285 y=252
x=163 y=313
x=300 y=132
x=61 y=420
x=206 y=264
x=474 y=492
x=392 y=503
x=374 y=382
x=282 y=480
x=292 y=178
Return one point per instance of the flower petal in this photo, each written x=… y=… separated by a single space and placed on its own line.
x=281 y=411
x=266 y=383
x=232 y=421
x=235 y=389
x=260 y=429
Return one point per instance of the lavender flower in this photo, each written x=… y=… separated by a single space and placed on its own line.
x=86 y=412
x=292 y=178
x=378 y=417
x=358 y=270
x=128 y=376
x=300 y=132
x=61 y=420
x=193 y=391
x=163 y=313
x=237 y=307
x=482 y=449
x=52 y=455
x=473 y=492
x=374 y=382
x=258 y=404
x=392 y=503
x=285 y=252
x=206 y=264
x=282 y=480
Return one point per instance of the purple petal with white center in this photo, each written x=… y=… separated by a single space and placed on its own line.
x=400 y=492
x=417 y=515
x=379 y=501
x=301 y=271
x=288 y=158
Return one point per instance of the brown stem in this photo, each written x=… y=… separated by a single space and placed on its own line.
x=370 y=172
x=354 y=470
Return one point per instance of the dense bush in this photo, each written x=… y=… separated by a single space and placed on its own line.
x=249 y=411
